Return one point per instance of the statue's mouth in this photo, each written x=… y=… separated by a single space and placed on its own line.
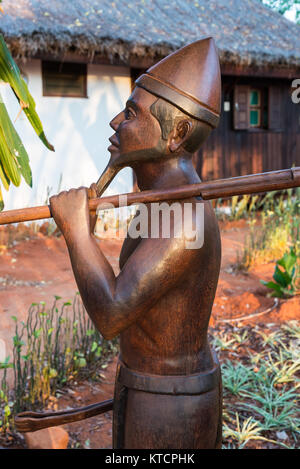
x=114 y=141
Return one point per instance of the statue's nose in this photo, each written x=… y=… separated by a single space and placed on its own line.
x=115 y=122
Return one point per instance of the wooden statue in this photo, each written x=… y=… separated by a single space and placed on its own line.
x=168 y=383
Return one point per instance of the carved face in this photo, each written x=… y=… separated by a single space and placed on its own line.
x=137 y=132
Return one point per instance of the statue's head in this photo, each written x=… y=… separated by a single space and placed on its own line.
x=172 y=109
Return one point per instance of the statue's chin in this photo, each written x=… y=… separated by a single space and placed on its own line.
x=118 y=160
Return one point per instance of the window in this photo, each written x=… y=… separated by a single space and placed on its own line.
x=64 y=79
x=257 y=107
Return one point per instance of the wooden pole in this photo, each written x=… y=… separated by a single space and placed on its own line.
x=32 y=421
x=249 y=184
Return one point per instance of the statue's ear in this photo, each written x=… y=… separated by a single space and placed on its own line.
x=179 y=134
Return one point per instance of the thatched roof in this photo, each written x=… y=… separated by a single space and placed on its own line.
x=246 y=32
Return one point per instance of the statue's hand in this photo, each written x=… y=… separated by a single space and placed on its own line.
x=71 y=212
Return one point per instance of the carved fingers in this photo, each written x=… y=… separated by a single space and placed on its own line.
x=70 y=210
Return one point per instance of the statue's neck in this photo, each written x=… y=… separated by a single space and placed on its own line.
x=165 y=173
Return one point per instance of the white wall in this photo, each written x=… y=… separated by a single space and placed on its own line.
x=78 y=129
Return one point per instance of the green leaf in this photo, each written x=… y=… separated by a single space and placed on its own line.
x=242 y=205
x=37 y=333
x=288 y=261
x=94 y=346
x=81 y=362
x=10 y=73
x=14 y=158
x=52 y=373
x=253 y=202
x=35 y=121
x=273 y=286
x=234 y=201
x=5 y=365
x=289 y=291
x=17 y=342
x=8 y=159
x=5 y=180
x=282 y=278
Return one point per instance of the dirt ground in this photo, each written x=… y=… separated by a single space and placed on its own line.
x=36 y=268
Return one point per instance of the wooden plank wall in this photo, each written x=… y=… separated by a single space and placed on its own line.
x=228 y=152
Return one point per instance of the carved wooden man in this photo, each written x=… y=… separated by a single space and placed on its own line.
x=168 y=383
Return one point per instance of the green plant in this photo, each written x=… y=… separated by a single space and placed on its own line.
x=236 y=208
x=250 y=430
x=241 y=337
x=270 y=338
x=239 y=207
x=283 y=369
x=284 y=284
x=224 y=343
x=14 y=161
x=276 y=407
x=50 y=349
x=293 y=329
x=274 y=228
x=5 y=405
x=261 y=385
x=236 y=377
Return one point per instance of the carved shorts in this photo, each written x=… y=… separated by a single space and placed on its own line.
x=167 y=412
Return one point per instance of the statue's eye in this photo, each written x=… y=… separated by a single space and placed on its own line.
x=129 y=113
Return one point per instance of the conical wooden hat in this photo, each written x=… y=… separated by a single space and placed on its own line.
x=190 y=79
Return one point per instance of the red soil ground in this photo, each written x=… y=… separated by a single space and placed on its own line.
x=37 y=268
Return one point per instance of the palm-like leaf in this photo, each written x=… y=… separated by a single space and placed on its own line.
x=14 y=161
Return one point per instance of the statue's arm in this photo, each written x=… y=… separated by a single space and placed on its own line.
x=115 y=302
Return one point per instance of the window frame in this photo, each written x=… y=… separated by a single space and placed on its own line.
x=262 y=106
x=68 y=68
x=255 y=107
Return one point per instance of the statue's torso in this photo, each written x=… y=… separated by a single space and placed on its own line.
x=171 y=337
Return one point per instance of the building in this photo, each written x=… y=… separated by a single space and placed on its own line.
x=81 y=57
